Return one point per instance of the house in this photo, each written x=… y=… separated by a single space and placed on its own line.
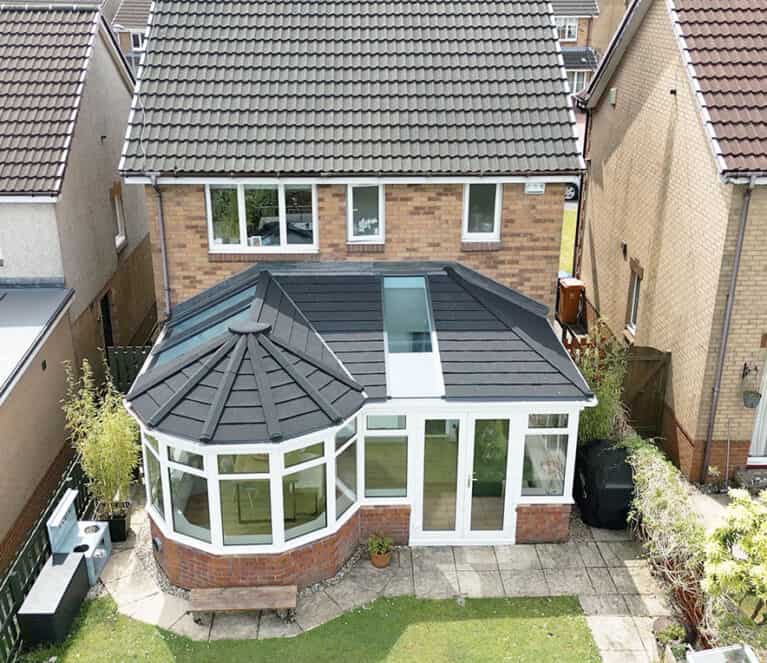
x=674 y=216
x=75 y=261
x=574 y=20
x=129 y=24
x=351 y=219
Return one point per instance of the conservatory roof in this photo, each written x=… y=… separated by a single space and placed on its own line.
x=266 y=356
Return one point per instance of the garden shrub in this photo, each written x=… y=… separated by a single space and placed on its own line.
x=602 y=361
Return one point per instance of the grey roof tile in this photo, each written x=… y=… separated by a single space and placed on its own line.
x=575 y=7
x=43 y=59
x=132 y=14
x=340 y=87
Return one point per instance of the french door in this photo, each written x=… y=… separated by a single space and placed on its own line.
x=462 y=488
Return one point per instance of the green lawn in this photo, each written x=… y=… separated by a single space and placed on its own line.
x=568 y=240
x=402 y=630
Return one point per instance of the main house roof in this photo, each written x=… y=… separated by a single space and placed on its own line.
x=575 y=7
x=132 y=14
x=271 y=355
x=331 y=88
x=723 y=48
x=43 y=62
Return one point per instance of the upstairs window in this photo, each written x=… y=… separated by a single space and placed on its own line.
x=633 y=302
x=578 y=80
x=365 y=204
x=567 y=27
x=121 y=236
x=262 y=218
x=482 y=212
x=137 y=40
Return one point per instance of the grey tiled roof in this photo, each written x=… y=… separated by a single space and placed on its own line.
x=351 y=88
x=579 y=57
x=326 y=320
x=43 y=59
x=575 y=7
x=132 y=14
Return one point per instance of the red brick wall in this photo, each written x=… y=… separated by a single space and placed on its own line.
x=191 y=568
x=543 y=523
x=423 y=222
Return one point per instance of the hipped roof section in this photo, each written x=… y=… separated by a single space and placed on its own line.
x=267 y=356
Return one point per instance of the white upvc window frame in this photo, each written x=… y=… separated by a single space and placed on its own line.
x=141 y=39
x=635 y=289
x=378 y=238
x=585 y=73
x=494 y=236
x=121 y=234
x=242 y=246
x=567 y=27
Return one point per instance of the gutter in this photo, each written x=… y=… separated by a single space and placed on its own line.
x=715 y=392
x=163 y=249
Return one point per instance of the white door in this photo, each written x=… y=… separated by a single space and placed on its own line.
x=462 y=469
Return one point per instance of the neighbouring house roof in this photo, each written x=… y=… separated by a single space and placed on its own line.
x=132 y=14
x=579 y=57
x=271 y=355
x=575 y=7
x=351 y=88
x=27 y=314
x=42 y=72
x=722 y=46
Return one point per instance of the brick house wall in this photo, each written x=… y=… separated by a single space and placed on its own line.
x=543 y=523
x=423 y=222
x=653 y=184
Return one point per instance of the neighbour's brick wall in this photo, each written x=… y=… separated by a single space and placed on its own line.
x=543 y=523
x=584 y=32
x=423 y=222
x=191 y=568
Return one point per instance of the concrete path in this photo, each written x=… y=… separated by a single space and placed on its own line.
x=619 y=596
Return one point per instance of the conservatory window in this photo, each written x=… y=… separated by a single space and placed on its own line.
x=304 y=501
x=154 y=479
x=346 y=433
x=304 y=455
x=386 y=422
x=386 y=466
x=346 y=478
x=246 y=511
x=185 y=458
x=189 y=499
x=244 y=464
x=547 y=421
x=545 y=461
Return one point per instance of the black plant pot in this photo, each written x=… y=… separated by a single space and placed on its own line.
x=118 y=524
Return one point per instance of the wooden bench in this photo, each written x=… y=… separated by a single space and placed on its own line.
x=245 y=599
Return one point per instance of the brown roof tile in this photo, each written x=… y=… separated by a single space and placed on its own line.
x=726 y=42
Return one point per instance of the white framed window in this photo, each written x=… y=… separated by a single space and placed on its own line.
x=365 y=204
x=567 y=27
x=633 y=303
x=253 y=218
x=121 y=236
x=578 y=80
x=482 y=205
x=137 y=40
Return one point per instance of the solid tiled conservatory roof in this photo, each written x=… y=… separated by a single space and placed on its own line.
x=318 y=353
x=334 y=87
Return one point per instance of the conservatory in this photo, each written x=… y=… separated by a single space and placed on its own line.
x=286 y=414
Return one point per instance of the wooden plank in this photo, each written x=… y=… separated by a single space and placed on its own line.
x=243 y=599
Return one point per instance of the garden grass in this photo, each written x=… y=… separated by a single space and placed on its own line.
x=392 y=630
x=568 y=240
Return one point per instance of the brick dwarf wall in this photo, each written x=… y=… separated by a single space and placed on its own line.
x=193 y=569
x=422 y=222
x=543 y=523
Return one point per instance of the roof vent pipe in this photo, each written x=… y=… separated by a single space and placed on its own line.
x=163 y=252
x=726 y=329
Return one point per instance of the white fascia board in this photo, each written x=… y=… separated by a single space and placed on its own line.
x=49 y=200
x=454 y=179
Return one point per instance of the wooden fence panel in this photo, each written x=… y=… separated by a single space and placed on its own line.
x=125 y=362
x=644 y=389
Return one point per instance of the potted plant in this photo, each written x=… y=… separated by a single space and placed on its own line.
x=106 y=438
x=672 y=635
x=379 y=549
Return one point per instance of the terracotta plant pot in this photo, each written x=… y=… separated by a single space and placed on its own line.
x=380 y=560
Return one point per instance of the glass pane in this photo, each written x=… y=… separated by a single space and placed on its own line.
x=185 y=458
x=225 y=215
x=481 y=208
x=298 y=213
x=242 y=298
x=244 y=464
x=262 y=215
x=488 y=488
x=547 y=421
x=406 y=314
x=544 y=469
x=303 y=501
x=387 y=422
x=346 y=433
x=305 y=454
x=189 y=498
x=440 y=474
x=152 y=442
x=386 y=466
x=346 y=479
x=365 y=215
x=154 y=481
x=246 y=512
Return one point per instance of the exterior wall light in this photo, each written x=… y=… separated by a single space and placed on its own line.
x=750 y=385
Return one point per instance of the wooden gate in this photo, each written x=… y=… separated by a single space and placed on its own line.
x=125 y=362
x=644 y=389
